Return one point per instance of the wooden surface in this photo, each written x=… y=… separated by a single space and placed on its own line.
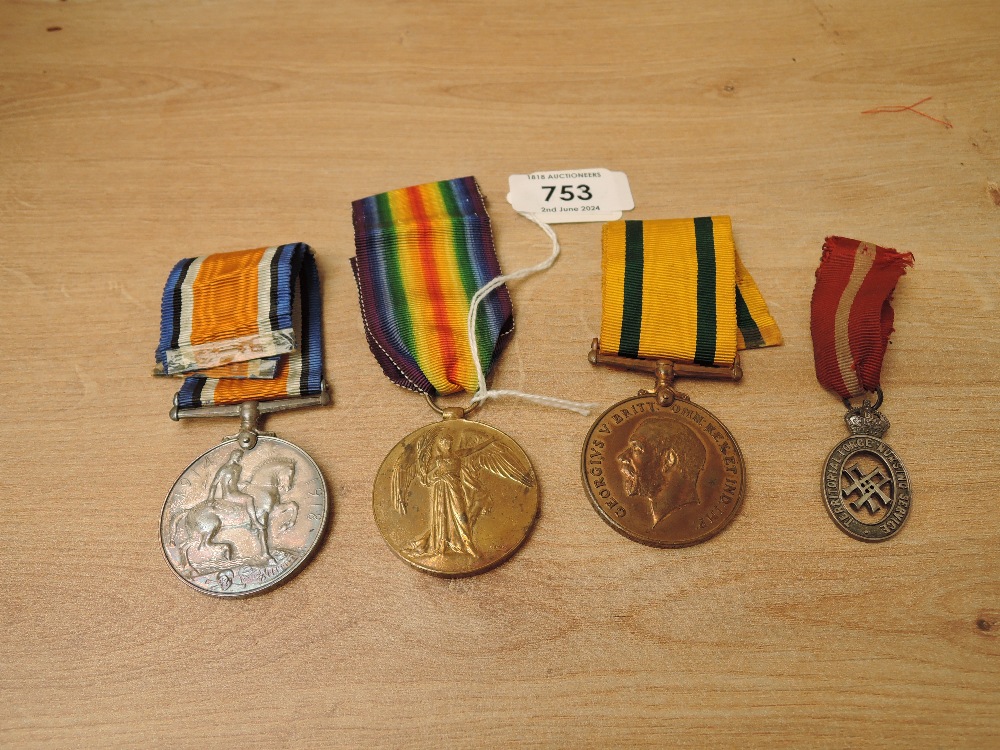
x=134 y=134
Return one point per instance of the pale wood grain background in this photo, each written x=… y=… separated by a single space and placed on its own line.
x=139 y=133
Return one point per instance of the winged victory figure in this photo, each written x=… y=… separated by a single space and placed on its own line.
x=454 y=476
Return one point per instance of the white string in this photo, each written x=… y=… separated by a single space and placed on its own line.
x=484 y=393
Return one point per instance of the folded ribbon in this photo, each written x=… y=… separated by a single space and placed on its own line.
x=852 y=313
x=422 y=253
x=232 y=327
x=676 y=289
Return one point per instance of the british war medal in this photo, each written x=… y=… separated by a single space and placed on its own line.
x=244 y=330
x=455 y=497
x=676 y=302
x=865 y=486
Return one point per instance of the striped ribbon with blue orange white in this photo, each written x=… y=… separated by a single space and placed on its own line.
x=231 y=325
x=676 y=289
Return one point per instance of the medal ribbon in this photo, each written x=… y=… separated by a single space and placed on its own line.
x=852 y=313
x=422 y=253
x=231 y=327
x=676 y=289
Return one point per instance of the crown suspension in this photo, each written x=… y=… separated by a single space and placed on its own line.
x=866 y=419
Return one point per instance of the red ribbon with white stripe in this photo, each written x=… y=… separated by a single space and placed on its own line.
x=852 y=313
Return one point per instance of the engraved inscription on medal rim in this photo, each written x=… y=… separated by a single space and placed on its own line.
x=229 y=532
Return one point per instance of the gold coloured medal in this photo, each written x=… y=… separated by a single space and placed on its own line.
x=456 y=497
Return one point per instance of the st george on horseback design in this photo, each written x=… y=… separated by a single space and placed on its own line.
x=237 y=521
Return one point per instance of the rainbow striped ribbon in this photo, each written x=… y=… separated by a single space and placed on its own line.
x=852 y=314
x=676 y=289
x=422 y=253
x=231 y=327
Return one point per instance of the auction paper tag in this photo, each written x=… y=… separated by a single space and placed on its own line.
x=568 y=195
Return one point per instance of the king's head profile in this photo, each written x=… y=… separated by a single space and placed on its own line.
x=661 y=463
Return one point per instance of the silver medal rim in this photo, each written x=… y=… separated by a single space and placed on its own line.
x=627 y=533
x=826 y=503
x=292 y=571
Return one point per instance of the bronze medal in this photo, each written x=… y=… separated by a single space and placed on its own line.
x=667 y=476
x=455 y=498
x=659 y=469
x=676 y=302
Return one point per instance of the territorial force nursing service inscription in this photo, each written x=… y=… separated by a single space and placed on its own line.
x=668 y=476
x=866 y=488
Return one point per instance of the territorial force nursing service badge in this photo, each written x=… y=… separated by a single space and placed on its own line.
x=864 y=485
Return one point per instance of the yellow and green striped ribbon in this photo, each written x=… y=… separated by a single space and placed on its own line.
x=676 y=289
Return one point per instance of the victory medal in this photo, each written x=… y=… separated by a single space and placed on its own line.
x=456 y=497
x=677 y=302
x=865 y=486
x=245 y=516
